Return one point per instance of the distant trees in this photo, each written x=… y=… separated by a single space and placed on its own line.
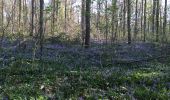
x=108 y=21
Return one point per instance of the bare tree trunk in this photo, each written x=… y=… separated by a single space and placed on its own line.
x=87 y=37
x=83 y=20
x=157 y=21
x=98 y=14
x=106 y=23
x=141 y=19
x=165 y=22
x=32 y=17
x=129 y=20
x=113 y=31
x=19 y=21
x=65 y=17
x=41 y=23
x=2 y=21
x=144 y=33
x=53 y=17
x=136 y=20
x=124 y=18
x=153 y=16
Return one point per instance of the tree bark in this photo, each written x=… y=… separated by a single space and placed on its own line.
x=41 y=23
x=87 y=37
x=129 y=20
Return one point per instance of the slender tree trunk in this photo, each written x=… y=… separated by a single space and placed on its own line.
x=13 y=16
x=157 y=21
x=106 y=23
x=2 y=22
x=153 y=16
x=83 y=20
x=141 y=18
x=124 y=18
x=129 y=20
x=65 y=17
x=87 y=37
x=165 y=22
x=53 y=17
x=98 y=14
x=19 y=21
x=144 y=33
x=41 y=23
x=32 y=18
x=113 y=20
x=136 y=20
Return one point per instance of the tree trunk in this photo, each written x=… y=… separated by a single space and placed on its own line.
x=106 y=22
x=83 y=21
x=136 y=20
x=41 y=22
x=87 y=37
x=65 y=17
x=157 y=21
x=129 y=20
x=144 y=33
x=124 y=18
x=165 y=22
x=2 y=21
x=153 y=16
x=53 y=17
x=32 y=18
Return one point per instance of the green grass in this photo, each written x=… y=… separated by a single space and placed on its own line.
x=24 y=79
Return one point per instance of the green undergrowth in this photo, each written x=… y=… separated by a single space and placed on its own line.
x=25 y=79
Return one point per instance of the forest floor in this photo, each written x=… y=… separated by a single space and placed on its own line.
x=117 y=71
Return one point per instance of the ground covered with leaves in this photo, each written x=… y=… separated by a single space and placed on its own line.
x=101 y=72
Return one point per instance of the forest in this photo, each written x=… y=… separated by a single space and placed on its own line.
x=85 y=49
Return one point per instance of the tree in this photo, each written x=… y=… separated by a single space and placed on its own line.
x=141 y=18
x=157 y=20
x=87 y=37
x=53 y=16
x=136 y=20
x=83 y=20
x=113 y=20
x=32 y=18
x=106 y=23
x=165 y=21
x=124 y=17
x=65 y=16
x=144 y=33
x=153 y=16
x=129 y=20
x=41 y=21
x=19 y=20
x=98 y=14
x=2 y=21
